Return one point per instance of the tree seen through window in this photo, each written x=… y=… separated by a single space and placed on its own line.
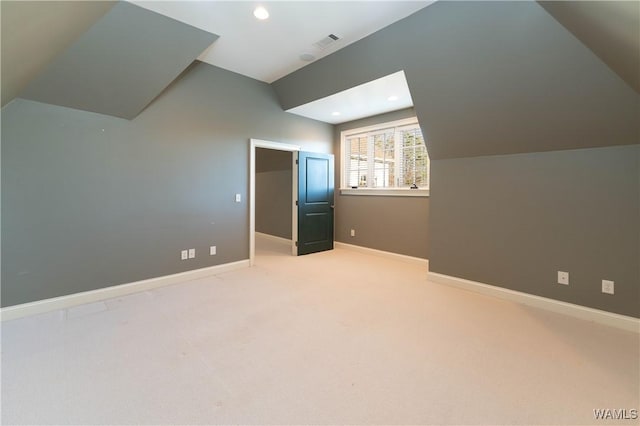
x=389 y=157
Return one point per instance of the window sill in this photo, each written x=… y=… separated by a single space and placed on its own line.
x=395 y=192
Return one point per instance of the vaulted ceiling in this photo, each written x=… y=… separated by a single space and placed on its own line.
x=270 y=49
x=59 y=51
x=486 y=78
x=35 y=32
x=120 y=64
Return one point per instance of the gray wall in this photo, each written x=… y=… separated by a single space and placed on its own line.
x=490 y=78
x=395 y=224
x=611 y=29
x=274 y=188
x=486 y=78
x=515 y=220
x=90 y=201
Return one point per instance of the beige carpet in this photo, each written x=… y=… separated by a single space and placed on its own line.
x=337 y=337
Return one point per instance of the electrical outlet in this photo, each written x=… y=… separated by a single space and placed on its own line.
x=184 y=255
x=563 y=278
x=192 y=253
x=353 y=232
x=607 y=286
x=212 y=250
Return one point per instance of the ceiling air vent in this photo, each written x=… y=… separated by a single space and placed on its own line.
x=326 y=42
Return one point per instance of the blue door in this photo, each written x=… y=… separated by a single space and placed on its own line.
x=315 y=202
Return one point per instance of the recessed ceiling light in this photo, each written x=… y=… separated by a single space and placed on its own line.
x=336 y=113
x=261 y=13
x=392 y=98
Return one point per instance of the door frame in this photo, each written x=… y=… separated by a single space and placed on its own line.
x=279 y=146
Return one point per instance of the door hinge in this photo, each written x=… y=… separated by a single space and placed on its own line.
x=297 y=162
x=296 y=202
x=296 y=244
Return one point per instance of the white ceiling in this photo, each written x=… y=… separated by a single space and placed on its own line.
x=389 y=93
x=270 y=49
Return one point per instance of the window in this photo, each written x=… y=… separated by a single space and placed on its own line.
x=390 y=156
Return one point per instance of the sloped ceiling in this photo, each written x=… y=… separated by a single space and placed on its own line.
x=36 y=32
x=486 y=78
x=121 y=63
x=269 y=49
x=611 y=29
x=33 y=33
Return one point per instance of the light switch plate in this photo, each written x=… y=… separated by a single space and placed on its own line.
x=192 y=253
x=184 y=255
x=212 y=250
x=238 y=198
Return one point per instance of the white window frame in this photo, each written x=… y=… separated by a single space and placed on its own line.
x=397 y=192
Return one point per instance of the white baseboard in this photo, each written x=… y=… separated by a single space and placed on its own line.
x=591 y=314
x=272 y=238
x=387 y=254
x=64 y=302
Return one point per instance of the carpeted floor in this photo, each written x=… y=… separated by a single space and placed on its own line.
x=337 y=337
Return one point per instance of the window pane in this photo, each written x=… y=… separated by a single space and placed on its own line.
x=383 y=160
x=387 y=157
x=414 y=159
x=357 y=161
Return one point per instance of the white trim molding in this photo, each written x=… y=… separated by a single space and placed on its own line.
x=366 y=250
x=623 y=322
x=64 y=302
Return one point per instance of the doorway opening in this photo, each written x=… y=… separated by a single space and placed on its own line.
x=255 y=145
